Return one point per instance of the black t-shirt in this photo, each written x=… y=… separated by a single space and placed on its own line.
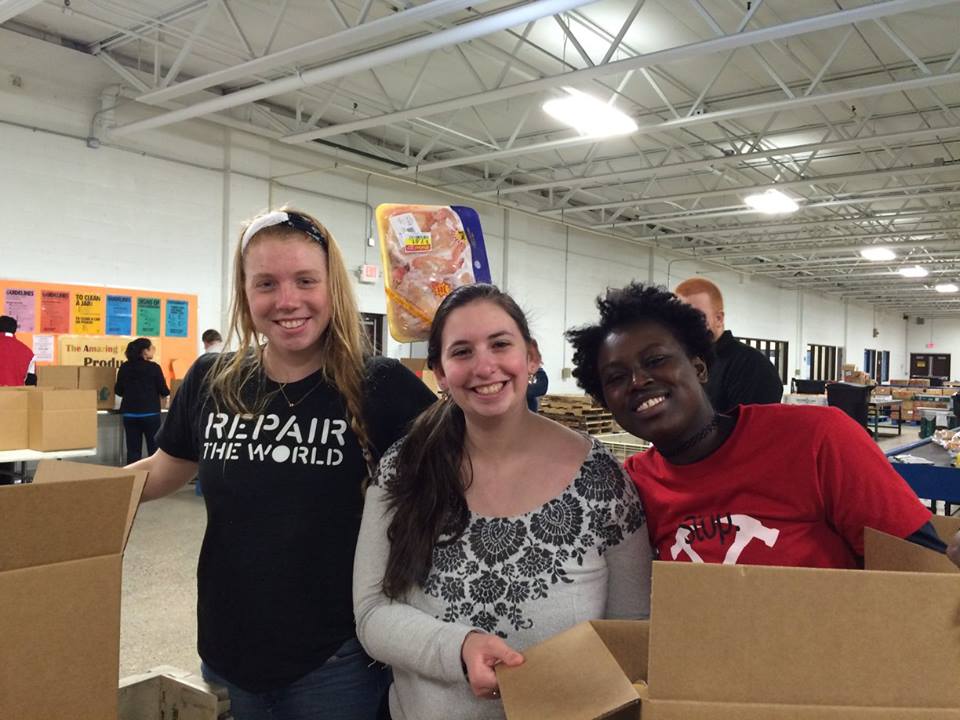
x=741 y=375
x=140 y=384
x=283 y=497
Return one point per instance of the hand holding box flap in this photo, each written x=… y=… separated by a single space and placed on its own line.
x=750 y=634
x=571 y=676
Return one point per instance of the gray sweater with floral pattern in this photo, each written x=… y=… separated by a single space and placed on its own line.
x=581 y=556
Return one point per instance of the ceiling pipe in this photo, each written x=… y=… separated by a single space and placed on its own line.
x=385 y=56
x=315 y=50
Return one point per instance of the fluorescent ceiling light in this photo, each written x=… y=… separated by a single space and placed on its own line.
x=771 y=202
x=588 y=115
x=946 y=288
x=876 y=254
x=915 y=271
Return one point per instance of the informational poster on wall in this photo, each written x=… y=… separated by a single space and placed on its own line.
x=88 y=313
x=21 y=304
x=91 y=325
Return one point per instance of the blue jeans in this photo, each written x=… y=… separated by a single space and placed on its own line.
x=349 y=686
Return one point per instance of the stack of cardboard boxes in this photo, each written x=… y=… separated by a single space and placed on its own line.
x=60 y=413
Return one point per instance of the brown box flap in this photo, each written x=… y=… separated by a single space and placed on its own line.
x=58 y=376
x=571 y=676
x=53 y=471
x=946 y=527
x=753 y=634
x=887 y=552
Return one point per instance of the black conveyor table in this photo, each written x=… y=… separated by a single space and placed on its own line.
x=939 y=481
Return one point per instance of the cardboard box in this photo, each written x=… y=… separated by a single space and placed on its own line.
x=174 y=386
x=62 y=419
x=760 y=643
x=62 y=377
x=165 y=693
x=14 y=429
x=419 y=368
x=101 y=379
x=60 y=590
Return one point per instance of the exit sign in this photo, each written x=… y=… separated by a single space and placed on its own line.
x=369 y=273
x=929 y=346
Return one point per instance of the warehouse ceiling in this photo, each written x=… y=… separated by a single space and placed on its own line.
x=851 y=108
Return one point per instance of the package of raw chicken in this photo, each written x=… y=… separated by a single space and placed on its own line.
x=427 y=250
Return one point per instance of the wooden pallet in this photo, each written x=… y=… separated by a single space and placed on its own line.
x=578 y=412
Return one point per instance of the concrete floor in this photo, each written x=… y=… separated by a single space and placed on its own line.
x=159 y=605
x=159 y=580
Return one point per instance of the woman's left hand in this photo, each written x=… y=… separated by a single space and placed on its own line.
x=481 y=653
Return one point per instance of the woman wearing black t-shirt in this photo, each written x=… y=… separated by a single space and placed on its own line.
x=141 y=384
x=283 y=434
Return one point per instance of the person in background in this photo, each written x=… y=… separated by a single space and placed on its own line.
x=282 y=435
x=16 y=368
x=489 y=528
x=782 y=485
x=16 y=358
x=539 y=382
x=141 y=385
x=212 y=341
x=740 y=374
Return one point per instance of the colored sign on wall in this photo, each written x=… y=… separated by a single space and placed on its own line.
x=95 y=351
x=105 y=310
x=20 y=304
x=54 y=311
x=119 y=314
x=148 y=317
x=88 y=313
x=177 y=318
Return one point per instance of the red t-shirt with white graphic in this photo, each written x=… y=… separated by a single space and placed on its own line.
x=791 y=486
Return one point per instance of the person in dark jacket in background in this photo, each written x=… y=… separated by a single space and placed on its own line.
x=141 y=384
x=740 y=374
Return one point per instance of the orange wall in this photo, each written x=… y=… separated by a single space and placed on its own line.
x=175 y=354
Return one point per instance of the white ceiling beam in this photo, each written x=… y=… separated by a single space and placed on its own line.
x=767 y=249
x=315 y=50
x=684 y=52
x=777 y=106
x=681 y=169
x=384 y=56
x=11 y=8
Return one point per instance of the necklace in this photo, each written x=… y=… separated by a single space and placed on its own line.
x=294 y=403
x=693 y=439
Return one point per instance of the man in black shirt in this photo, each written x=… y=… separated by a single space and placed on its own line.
x=740 y=374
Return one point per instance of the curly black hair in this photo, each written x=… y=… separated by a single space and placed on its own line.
x=622 y=307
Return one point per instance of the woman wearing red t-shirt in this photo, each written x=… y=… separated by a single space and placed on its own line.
x=761 y=484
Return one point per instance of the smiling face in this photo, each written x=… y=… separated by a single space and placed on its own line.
x=650 y=384
x=288 y=296
x=485 y=363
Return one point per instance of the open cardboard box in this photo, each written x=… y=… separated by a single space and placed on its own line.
x=167 y=693
x=763 y=643
x=418 y=366
x=61 y=546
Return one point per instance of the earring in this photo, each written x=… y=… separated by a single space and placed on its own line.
x=531 y=378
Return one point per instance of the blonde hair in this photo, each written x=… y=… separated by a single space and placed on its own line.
x=343 y=345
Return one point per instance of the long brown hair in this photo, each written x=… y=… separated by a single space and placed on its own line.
x=427 y=495
x=343 y=345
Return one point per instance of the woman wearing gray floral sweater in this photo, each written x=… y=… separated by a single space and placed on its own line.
x=489 y=528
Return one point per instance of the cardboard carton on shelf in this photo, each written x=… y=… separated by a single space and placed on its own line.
x=418 y=366
x=14 y=429
x=62 y=419
x=61 y=377
x=762 y=643
x=174 y=387
x=60 y=590
x=101 y=379
x=166 y=693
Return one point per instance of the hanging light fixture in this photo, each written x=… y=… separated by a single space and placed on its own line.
x=946 y=288
x=588 y=115
x=878 y=254
x=771 y=202
x=913 y=272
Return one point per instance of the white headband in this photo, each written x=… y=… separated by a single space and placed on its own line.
x=279 y=217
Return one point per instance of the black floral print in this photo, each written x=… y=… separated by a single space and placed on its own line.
x=487 y=577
